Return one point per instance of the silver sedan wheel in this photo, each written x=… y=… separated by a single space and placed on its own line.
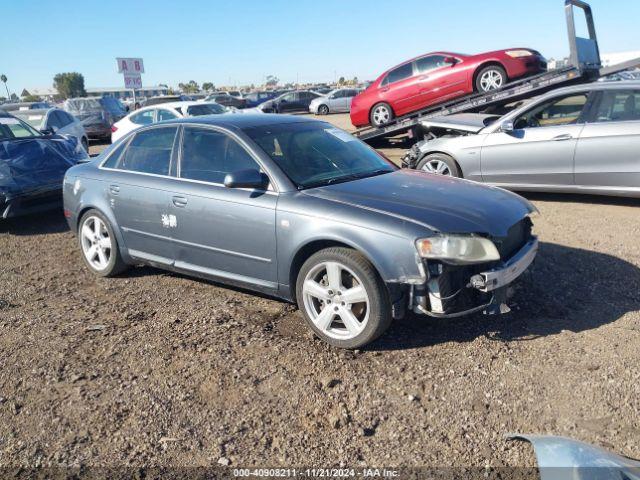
x=381 y=115
x=96 y=243
x=336 y=300
x=437 y=166
x=491 y=80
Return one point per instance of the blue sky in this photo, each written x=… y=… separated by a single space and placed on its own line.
x=241 y=42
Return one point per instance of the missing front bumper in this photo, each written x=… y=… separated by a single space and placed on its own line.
x=457 y=291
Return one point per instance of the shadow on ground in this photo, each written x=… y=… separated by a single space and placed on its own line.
x=566 y=289
x=51 y=221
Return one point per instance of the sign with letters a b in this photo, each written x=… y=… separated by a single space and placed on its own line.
x=130 y=65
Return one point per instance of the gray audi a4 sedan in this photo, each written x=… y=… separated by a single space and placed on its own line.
x=303 y=211
x=579 y=139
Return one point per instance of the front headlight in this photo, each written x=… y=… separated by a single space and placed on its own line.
x=518 y=53
x=459 y=249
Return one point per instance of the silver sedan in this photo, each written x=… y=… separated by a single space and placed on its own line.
x=583 y=139
x=336 y=101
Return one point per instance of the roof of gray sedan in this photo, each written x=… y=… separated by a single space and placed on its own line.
x=245 y=120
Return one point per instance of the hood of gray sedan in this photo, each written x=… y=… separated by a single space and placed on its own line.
x=440 y=203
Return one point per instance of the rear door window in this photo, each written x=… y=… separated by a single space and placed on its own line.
x=149 y=152
x=143 y=118
x=165 y=115
x=618 y=106
x=400 y=73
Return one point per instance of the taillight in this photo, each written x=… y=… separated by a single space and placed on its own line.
x=113 y=128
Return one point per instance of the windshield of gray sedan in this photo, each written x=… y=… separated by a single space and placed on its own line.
x=317 y=154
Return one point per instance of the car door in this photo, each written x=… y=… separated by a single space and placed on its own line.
x=289 y=102
x=608 y=151
x=53 y=122
x=400 y=89
x=139 y=171
x=222 y=232
x=73 y=127
x=540 y=150
x=338 y=101
x=438 y=80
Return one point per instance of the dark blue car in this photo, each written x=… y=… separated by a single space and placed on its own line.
x=32 y=167
x=256 y=98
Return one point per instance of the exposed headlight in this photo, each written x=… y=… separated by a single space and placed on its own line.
x=519 y=53
x=460 y=249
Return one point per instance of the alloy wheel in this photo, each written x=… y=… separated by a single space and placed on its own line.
x=336 y=300
x=381 y=115
x=96 y=243
x=437 y=166
x=491 y=80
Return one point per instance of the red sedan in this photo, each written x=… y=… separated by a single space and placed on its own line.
x=438 y=77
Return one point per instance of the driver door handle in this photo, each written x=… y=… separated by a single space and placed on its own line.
x=179 y=201
x=565 y=136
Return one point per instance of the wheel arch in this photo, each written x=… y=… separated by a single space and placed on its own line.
x=313 y=246
x=487 y=63
x=114 y=226
x=442 y=152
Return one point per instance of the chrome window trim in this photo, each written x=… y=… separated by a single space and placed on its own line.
x=179 y=138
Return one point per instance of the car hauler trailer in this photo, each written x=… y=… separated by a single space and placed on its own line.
x=584 y=66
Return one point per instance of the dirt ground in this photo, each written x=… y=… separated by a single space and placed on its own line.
x=156 y=369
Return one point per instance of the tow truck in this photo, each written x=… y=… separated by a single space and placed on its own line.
x=584 y=66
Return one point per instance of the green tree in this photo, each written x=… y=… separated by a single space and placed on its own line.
x=31 y=98
x=69 y=85
x=341 y=81
x=272 y=81
x=191 y=87
x=208 y=86
x=3 y=79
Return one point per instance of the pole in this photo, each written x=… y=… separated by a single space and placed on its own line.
x=134 y=98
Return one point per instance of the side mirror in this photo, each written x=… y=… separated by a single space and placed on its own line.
x=284 y=100
x=48 y=131
x=506 y=127
x=249 y=178
x=450 y=60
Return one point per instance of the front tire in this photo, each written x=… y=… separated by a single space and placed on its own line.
x=440 y=164
x=99 y=246
x=381 y=114
x=323 y=110
x=492 y=77
x=342 y=298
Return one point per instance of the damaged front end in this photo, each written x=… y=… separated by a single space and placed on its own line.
x=469 y=274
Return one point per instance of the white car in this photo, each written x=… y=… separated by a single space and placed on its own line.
x=165 y=111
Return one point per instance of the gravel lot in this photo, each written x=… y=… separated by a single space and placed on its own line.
x=156 y=369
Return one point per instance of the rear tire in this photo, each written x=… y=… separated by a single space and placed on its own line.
x=342 y=298
x=440 y=164
x=381 y=114
x=99 y=246
x=491 y=77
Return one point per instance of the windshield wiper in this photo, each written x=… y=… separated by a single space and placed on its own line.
x=346 y=178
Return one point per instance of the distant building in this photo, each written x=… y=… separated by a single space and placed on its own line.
x=124 y=93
